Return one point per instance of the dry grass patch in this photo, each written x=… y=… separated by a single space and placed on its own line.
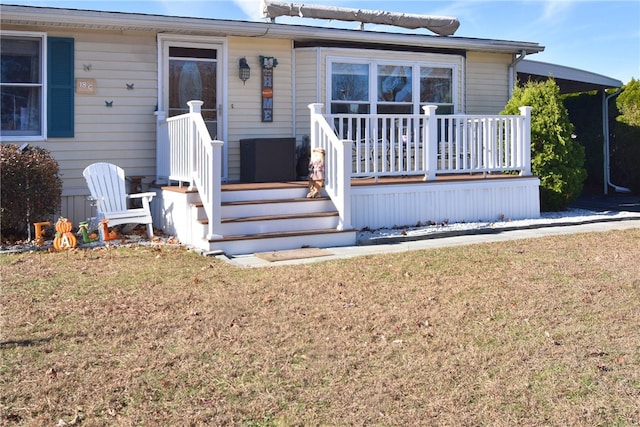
x=535 y=332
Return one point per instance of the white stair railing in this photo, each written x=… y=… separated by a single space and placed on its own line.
x=180 y=148
x=337 y=164
x=196 y=159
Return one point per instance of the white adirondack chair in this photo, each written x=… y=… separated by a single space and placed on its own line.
x=106 y=183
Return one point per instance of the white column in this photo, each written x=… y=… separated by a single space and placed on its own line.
x=215 y=222
x=344 y=180
x=162 y=148
x=430 y=142
x=525 y=138
x=316 y=110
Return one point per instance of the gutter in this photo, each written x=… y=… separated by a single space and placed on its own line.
x=605 y=134
x=512 y=71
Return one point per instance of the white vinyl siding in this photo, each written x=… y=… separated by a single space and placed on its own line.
x=308 y=81
x=125 y=132
x=487 y=82
x=244 y=104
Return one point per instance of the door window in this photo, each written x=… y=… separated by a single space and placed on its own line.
x=193 y=76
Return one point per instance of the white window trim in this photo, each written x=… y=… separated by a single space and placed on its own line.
x=43 y=92
x=373 y=76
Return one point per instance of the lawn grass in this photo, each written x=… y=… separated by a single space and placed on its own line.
x=530 y=332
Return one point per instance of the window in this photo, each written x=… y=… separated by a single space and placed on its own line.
x=22 y=86
x=435 y=88
x=395 y=94
x=36 y=86
x=350 y=88
x=192 y=76
x=395 y=87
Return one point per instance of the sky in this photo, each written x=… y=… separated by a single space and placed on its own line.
x=599 y=36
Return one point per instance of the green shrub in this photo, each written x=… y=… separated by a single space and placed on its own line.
x=30 y=188
x=625 y=138
x=628 y=103
x=556 y=158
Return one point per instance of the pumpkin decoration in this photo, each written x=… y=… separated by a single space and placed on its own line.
x=64 y=239
x=63 y=225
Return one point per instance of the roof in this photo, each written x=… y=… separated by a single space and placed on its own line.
x=122 y=21
x=569 y=80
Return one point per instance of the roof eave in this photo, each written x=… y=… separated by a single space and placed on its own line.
x=589 y=79
x=75 y=18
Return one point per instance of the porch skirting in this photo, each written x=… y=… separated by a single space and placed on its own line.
x=468 y=200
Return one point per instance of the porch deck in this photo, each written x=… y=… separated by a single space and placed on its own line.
x=382 y=181
x=453 y=168
x=255 y=214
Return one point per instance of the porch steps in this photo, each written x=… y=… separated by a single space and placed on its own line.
x=271 y=218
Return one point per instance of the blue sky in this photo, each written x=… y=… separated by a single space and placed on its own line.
x=598 y=36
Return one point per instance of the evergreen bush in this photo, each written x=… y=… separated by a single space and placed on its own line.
x=30 y=188
x=628 y=103
x=625 y=139
x=556 y=158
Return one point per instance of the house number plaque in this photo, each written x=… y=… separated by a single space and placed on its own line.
x=268 y=64
x=86 y=86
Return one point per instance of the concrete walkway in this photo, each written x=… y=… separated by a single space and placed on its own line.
x=472 y=237
x=609 y=204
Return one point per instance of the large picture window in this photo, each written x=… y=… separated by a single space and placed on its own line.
x=386 y=87
x=21 y=80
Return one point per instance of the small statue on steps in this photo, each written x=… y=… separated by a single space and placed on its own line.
x=316 y=173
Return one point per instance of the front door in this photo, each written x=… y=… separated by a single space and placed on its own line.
x=191 y=68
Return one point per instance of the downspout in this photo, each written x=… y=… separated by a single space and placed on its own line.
x=605 y=131
x=513 y=72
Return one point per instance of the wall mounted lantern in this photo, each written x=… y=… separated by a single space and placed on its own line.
x=244 y=71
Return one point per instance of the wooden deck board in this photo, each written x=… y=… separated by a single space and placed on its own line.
x=241 y=186
x=245 y=186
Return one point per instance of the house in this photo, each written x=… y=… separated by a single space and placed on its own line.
x=409 y=122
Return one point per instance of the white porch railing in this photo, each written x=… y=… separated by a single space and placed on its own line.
x=402 y=145
x=196 y=159
x=359 y=145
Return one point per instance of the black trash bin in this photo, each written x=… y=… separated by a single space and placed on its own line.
x=267 y=159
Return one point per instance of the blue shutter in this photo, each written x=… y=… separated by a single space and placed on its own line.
x=60 y=87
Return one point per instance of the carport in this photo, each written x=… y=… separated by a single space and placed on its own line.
x=573 y=80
